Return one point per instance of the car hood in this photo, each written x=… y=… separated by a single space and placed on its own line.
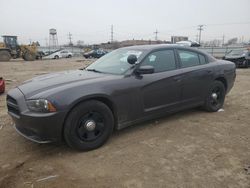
x=54 y=80
x=234 y=56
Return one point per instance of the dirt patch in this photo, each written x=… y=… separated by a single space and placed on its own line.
x=188 y=149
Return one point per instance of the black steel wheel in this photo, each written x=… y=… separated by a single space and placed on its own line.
x=216 y=96
x=88 y=125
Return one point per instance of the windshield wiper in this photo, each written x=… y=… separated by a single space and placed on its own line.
x=94 y=70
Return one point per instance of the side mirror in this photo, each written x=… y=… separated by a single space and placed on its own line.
x=146 y=69
x=132 y=59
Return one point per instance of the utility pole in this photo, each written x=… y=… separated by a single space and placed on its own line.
x=200 y=28
x=196 y=37
x=156 y=33
x=70 y=39
x=223 y=40
x=112 y=34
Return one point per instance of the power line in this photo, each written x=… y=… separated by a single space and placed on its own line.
x=200 y=28
x=230 y=23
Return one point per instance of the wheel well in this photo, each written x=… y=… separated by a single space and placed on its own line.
x=101 y=99
x=223 y=80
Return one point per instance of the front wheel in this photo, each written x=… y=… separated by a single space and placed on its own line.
x=29 y=56
x=89 y=125
x=215 y=98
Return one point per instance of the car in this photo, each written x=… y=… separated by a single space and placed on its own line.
x=94 y=54
x=127 y=86
x=66 y=54
x=2 y=85
x=188 y=43
x=241 y=57
x=57 y=54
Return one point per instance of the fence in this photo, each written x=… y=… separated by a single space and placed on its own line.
x=220 y=52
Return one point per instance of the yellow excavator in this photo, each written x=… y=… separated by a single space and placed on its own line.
x=11 y=49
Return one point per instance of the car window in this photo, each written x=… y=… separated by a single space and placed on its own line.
x=188 y=58
x=163 y=60
x=115 y=62
x=202 y=59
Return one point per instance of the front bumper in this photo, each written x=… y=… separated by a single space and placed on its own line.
x=37 y=127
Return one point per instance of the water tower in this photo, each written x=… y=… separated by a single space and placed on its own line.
x=53 y=41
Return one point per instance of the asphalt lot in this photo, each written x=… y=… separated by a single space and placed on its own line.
x=192 y=148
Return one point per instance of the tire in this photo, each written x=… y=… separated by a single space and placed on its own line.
x=29 y=56
x=76 y=133
x=215 y=98
x=56 y=57
x=69 y=56
x=4 y=55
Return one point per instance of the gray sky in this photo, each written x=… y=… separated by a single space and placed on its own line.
x=90 y=20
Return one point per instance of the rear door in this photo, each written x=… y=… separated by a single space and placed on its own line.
x=161 y=91
x=197 y=75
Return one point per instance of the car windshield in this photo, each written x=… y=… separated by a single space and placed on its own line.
x=114 y=62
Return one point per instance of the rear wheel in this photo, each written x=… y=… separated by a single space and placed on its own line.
x=216 y=96
x=89 y=125
x=4 y=55
x=56 y=57
x=28 y=56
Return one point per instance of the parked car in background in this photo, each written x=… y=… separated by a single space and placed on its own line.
x=2 y=85
x=95 y=53
x=66 y=54
x=127 y=86
x=57 y=54
x=240 y=57
x=188 y=43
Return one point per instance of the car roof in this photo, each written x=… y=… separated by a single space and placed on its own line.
x=168 y=46
x=159 y=46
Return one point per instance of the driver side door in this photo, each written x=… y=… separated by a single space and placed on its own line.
x=161 y=91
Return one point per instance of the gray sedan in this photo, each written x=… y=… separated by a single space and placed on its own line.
x=124 y=87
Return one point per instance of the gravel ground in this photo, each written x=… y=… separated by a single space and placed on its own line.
x=192 y=148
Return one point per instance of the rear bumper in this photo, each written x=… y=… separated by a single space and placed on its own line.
x=37 y=127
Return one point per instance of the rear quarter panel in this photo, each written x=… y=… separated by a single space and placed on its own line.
x=227 y=70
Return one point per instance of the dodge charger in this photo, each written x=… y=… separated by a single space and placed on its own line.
x=127 y=86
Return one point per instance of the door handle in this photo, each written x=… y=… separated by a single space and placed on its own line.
x=209 y=71
x=177 y=79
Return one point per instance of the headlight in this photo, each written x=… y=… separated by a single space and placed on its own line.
x=40 y=105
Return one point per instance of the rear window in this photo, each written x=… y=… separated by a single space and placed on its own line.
x=202 y=59
x=188 y=58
